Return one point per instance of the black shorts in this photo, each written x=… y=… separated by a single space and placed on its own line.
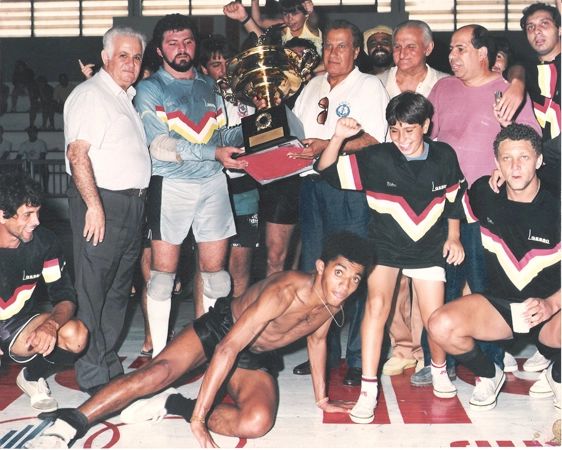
x=213 y=326
x=502 y=306
x=247 y=232
x=10 y=330
x=279 y=201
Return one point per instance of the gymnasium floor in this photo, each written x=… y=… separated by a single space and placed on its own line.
x=406 y=416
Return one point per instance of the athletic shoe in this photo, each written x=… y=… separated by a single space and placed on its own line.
x=364 y=409
x=38 y=391
x=423 y=377
x=58 y=435
x=486 y=391
x=536 y=363
x=149 y=409
x=46 y=441
x=509 y=363
x=395 y=366
x=442 y=386
x=554 y=386
x=541 y=388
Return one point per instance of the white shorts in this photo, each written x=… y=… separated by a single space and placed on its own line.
x=176 y=205
x=434 y=273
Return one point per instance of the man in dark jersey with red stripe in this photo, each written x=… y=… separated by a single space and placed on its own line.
x=43 y=342
x=520 y=229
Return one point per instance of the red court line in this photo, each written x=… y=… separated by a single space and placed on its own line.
x=337 y=391
x=418 y=405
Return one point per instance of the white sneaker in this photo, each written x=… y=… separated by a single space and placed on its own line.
x=509 y=363
x=554 y=386
x=46 y=441
x=58 y=435
x=541 y=388
x=536 y=363
x=442 y=386
x=38 y=392
x=486 y=391
x=149 y=409
x=364 y=409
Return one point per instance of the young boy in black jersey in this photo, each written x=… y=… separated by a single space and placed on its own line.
x=411 y=185
x=520 y=228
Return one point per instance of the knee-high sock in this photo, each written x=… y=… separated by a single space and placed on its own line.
x=44 y=366
x=158 y=317
x=477 y=362
x=179 y=405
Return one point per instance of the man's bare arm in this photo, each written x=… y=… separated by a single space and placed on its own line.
x=272 y=303
x=83 y=176
x=317 y=146
x=317 y=354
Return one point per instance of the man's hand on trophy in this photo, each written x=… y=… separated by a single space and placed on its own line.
x=260 y=103
x=313 y=148
x=226 y=156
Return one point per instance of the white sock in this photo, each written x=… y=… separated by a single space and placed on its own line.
x=370 y=385
x=158 y=317
x=208 y=302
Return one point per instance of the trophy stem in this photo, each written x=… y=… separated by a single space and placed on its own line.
x=269 y=95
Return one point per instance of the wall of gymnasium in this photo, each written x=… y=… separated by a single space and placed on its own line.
x=49 y=56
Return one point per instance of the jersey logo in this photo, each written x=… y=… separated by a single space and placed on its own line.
x=538 y=239
x=343 y=110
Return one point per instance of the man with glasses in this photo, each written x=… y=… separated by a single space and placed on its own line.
x=342 y=92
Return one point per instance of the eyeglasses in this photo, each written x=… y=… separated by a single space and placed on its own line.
x=324 y=103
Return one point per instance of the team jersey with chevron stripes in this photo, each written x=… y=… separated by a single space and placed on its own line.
x=543 y=84
x=21 y=268
x=521 y=240
x=190 y=111
x=408 y=210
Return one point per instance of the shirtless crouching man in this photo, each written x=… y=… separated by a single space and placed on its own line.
x=270 y=315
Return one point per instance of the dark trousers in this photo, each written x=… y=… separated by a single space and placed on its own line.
x=325 y=210
x=103 y=279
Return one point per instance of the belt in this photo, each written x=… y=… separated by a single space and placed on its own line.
x=132 y=192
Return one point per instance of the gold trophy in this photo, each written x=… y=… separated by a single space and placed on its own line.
x=268 y=72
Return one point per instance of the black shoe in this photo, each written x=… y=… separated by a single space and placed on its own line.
x=353 y=376
x=302 y=369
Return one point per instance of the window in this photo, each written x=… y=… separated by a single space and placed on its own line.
x=25 y=18
x=58 y=17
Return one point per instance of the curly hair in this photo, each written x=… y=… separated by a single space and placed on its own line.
x=173 y=22
x=18 y=189
x=518 y=132
x=349 y=245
